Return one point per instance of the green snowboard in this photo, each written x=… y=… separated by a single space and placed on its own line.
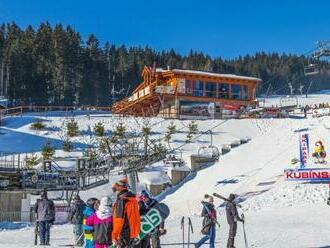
x=152 y=219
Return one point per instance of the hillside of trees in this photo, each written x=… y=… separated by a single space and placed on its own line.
x=54 y=65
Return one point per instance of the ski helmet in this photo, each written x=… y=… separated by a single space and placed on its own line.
x=91 y=202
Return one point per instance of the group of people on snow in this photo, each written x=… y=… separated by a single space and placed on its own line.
x=209 y=223
x=104 y=223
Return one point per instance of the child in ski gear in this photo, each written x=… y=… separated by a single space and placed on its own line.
x=319 y=152
x=101 y=221
x=76 y=216
x=232 y=218
x=126 y=217
x=88 y=230
x=209 y=222
x=149 y=203
x=44 y=210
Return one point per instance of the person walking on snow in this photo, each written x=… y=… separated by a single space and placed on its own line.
x=44 y=210
x=319 y=152
x=209 y=222
x=76 y=216
x=232 y=218
x=88 y=230
x=101 y=221
x=126 y=217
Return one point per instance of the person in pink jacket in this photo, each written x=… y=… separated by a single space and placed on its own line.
x=101 y=221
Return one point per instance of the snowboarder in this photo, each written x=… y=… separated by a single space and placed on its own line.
x=88 y=230
x=76 y=216
x=319 y=152
x=44 y=210
x=160 y=230
x=126 y=217
x=143 y=209
x=209 y=222
x=232 y=218
x=101 y=221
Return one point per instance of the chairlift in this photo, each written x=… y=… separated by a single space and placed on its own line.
x=173 y=160
x=326 y=52
x=311 y=69
x=209 y=151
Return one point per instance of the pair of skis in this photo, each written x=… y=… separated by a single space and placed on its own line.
x=190 y=230
x=243 y=217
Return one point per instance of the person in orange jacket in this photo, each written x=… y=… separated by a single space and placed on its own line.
x=126 y=217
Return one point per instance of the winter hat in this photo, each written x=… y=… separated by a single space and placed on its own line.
x=120 y=185
x=91 y=202
x=106 y=201
x=145 y=194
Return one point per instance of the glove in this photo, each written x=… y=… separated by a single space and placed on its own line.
x=242 y=218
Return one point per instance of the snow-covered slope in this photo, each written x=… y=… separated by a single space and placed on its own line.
x=278 y=213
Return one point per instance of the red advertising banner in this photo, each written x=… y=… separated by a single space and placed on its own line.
x=310 y=174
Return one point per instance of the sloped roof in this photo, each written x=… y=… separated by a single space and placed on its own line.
x=212 y=74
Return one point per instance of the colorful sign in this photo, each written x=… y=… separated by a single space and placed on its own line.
x=197 y=109
x=304 y=150
x=311 y=174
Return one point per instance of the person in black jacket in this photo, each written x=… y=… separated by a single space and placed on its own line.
x=76 y=216
x=232 y=218
x=44 y=210
x=209 y=221
x=146 y=202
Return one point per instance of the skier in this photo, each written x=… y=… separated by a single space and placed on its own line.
x=101 y=221
x=209 y=222
x=44 y=210
x=149 y=203
x=232 y=218
x=319 y=152
x=126 y=217
x=88 y=230
x=76 y=216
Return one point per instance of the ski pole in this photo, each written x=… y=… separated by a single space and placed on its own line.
x=190 y=229
x=182 y=228
x=244 y=232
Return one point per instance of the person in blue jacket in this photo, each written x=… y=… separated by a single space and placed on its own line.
x=88 y=230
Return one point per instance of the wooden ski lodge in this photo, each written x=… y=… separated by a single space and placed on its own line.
x=177 y=93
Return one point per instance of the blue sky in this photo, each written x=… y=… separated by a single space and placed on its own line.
x=219 y=28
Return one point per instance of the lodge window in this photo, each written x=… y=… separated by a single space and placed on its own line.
x=236 y=91
x=210 y=89
x=223 y=91
x=198 y=87
x=245 y=95
x=188 y=87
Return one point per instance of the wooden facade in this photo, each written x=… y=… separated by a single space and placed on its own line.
x=164 y=92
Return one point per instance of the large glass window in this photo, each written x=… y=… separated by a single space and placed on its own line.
x=235 y=91
x=245 y=94
x=198 y=87
x=188 y=87
x=223 y=91
x=210 y=89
